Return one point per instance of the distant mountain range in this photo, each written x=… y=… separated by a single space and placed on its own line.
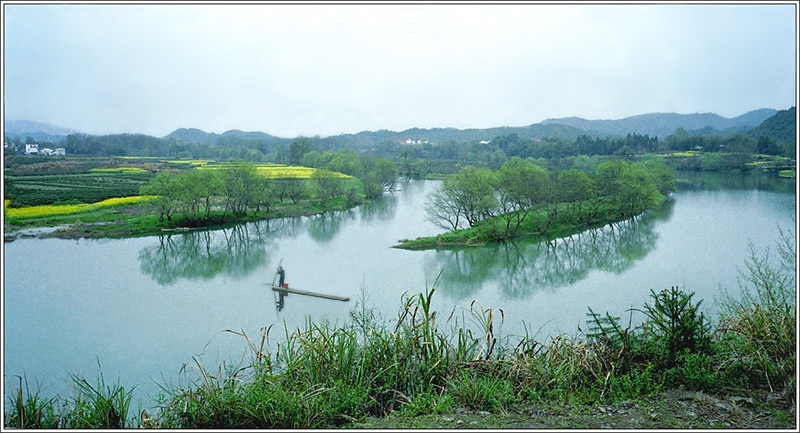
x=653 y=124
x=664 y=124
x=194 y=135
x=38 y=131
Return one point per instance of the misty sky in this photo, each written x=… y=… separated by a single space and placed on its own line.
x=291 y=70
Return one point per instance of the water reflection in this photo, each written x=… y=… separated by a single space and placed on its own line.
x=523 y=267
x=696 y=181
x=242 y=249
x=234 y=252
x=323 y=228
x=381 y=209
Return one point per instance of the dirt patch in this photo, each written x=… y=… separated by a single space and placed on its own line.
x=674 y=409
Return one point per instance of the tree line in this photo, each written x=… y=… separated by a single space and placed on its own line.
x=197 y=195
x=511 y=195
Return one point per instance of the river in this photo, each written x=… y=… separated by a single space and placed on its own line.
x=142 y=310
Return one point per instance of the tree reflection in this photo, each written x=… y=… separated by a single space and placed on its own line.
x=697 y=181
x=323 y=228
x=203 y=255
x=522 y=267
x=383 y=208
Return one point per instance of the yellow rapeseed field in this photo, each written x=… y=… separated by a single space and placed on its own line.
x=280 y=171
x=53 y=210
x=192 y=162
x=119 y=170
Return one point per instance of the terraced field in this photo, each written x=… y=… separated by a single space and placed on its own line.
x=91 y=187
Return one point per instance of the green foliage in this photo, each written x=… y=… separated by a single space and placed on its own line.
x=758 y=334
x=636 y=383
x=427 y=402
x=325 y=185
x=672 y=347
x=473 y=191
x=298 y=148
x=239 y=183
x=98 y=407
x=482 y=392
x=168 y=189
x=523 y=198
x=677 y=325
x=694 y=370
x=30 y=411
x=778 y=134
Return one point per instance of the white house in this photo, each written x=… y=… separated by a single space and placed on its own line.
x=31 y=148
x=46 y=151
x=60 y=151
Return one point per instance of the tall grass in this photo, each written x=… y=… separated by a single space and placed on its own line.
x=98 y=406
x=29 y=410
x=758 y=335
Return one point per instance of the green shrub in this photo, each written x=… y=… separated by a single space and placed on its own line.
x=677 y=325
x=694 y=371
x=429 y=402
x=634 y=384
x=482 y=392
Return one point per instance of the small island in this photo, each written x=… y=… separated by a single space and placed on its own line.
x=521 y=199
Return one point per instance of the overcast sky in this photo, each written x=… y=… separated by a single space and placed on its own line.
x=292 y=70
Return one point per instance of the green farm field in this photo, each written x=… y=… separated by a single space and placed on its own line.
x=32 y=190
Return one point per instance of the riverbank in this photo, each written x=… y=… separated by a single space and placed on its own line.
x=674 y=409
x=142 y=219
x=536 y=226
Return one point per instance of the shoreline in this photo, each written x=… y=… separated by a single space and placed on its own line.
x=72 y=227
x=462 y=237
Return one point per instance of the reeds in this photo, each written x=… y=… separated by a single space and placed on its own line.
x=99 y=406
x=29 y=411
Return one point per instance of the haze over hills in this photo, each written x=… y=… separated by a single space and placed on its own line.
x=653 y=124
x=194 y=135
x=38 y=131
x=664 y=124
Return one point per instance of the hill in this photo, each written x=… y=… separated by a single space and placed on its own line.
x=194 y=135
x=781 y=127
x=439 y=135
x=652 y=124
x=38 y=131
x=664 y=124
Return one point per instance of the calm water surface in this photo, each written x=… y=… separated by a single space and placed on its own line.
x=140 y=309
